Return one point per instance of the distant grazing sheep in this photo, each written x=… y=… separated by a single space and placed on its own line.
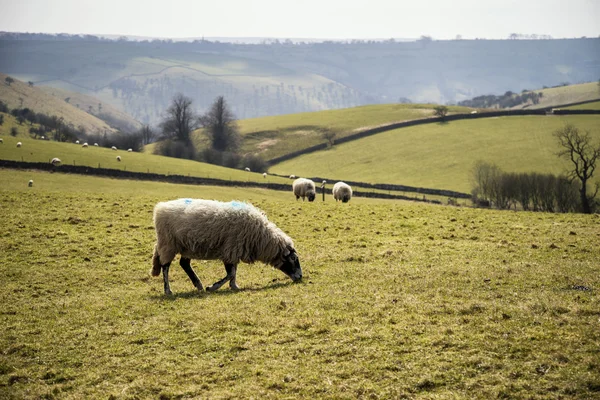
x=43 y=138
x=55 y=161
x=113 y=148
x=19 y=144
x=1 y=141
x=77 y=142
x=118 y=158
x=96 y=144
x=264 y=174
x=84 y=145
x=129 y=150
x=342 y=191
x=303 y=187
x=30 y=183
x=247 y=169
x=213 y=230
x=292 y=176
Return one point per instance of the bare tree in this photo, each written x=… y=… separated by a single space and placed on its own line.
x=221 y=127
x=440 y=111
x=330 y=137
x=577 y=147
x=8 y=80
x=147 y=134
x=180 y=121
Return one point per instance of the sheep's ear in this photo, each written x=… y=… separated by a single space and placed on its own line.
x=288 y=250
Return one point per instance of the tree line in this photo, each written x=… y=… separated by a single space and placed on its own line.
x=507 y=100
x=220 y=128
x=569 y=192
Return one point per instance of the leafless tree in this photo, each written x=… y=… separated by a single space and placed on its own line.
x=577 y=147
x=180 y=120
x=440 y=111
x=221 y=127
x=147 y=134
x=330 y=137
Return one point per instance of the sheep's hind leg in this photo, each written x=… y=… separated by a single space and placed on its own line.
x=231 y=271
x=165 y=271
x=187 y=267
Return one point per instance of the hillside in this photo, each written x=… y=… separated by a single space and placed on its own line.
x=140 y=78
x=565 y=95
x=109 y=114
x=21 y=95
x=275 y=136
x=442 y=155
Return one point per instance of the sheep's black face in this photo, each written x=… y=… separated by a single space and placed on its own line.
x=311 y=197
x=291 y=266
x=345 y=199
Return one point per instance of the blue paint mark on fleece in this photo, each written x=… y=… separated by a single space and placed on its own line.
x=187 y=201
x=238 y=205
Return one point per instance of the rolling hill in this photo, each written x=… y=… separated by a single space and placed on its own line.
x=441 y=155
x=21 y=95
x=140 y=78
x=568 y=94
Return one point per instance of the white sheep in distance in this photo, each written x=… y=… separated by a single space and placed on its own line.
x=342 y=191
x=247 y=169
x=30 y=184
x=118 y=158
x=114 y=148
x=19 y=144
x=213 y=230
x=77 y=142
x=55 y=161
x=303 y=187
x=292 y=176
x=1 y=141
x=129 y=150
x=84 y=145
x=96 y=144
x=264 y=174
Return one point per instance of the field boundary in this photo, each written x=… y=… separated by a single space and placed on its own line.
x=430 y=120
x=180 y=179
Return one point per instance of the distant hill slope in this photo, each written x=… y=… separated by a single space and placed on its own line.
x=21 y=95
x=140 y=78
x=276 y=136
x=442 y=155
x=565 y=95
x=106 y=112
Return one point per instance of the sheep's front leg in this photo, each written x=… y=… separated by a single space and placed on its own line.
x=231 y=271
x=187 y=267
x=165 y=271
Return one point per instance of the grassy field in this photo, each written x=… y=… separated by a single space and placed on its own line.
x=399 y=300
x=73 y=154
x=21 y=95
x=442 y=155
x=567 y=94
x=275 y=136
x=588 y=106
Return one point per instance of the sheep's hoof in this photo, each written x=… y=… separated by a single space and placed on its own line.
x=234 y=286
x=168 y=293
x=211 y=288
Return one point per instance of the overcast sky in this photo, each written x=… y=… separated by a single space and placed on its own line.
x=335 y=19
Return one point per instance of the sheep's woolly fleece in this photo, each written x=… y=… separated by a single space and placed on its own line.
x=211 y=230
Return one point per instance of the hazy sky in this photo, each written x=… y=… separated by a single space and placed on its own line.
x=336 y=19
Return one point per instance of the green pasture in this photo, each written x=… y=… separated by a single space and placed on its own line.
x=399 y=300
x=567 y=94
x=589 y=106
x=73 y=154
x=442 y=155
x=278 y=135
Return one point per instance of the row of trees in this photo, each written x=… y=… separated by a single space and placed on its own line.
x=507 y=100
x=570 y=192
x=220 y=127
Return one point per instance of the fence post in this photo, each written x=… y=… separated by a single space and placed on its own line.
x=323 y=189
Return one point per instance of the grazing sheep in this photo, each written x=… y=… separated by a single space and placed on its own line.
x=77 y=142
x=342 y=191
x=129 y=150
x=55 y=161
x=247 y=169
x=19 y=144
x=292 y=176
x=96 y=144
x=1 y=141
x=118 y=158
x=114 y=148
x=84 y=145
x=264 y=174
x=30 y=183
x=43 y=138
x=303 y=187
x=213 y=230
